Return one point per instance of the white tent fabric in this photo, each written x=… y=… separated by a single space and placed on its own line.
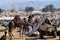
x=9 y=18
x=6 y=18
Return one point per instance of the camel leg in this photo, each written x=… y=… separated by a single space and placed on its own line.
x=24 y=29
x=10 y=34
x=21 y=33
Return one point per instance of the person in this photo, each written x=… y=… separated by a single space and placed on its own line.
x=30 y=21
x=30 y=18
x=35 y=23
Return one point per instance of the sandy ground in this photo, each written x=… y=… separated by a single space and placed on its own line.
x=25 y=37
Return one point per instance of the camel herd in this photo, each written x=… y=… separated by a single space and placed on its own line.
x=48 y=26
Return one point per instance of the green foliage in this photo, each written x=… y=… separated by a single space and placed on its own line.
x=1 y=10
x=58 y=9
x=50 y=8
x=44 y=10
x=29 y=9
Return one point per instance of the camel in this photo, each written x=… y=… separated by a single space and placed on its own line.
x=17 y=22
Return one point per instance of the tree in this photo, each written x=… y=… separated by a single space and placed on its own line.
x=12 y=10
x=58 y=9
x=50 y=8
x=44 y=10
x=29 y=9
x=1 y=10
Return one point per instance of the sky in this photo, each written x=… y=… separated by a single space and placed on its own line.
x=10 y=1
x=54 y=2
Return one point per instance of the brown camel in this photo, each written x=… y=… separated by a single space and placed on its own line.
x=17 y=22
